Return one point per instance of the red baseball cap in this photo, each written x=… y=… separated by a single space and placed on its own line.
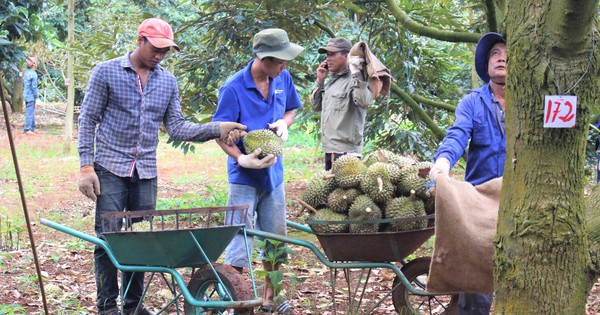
x=158 y=33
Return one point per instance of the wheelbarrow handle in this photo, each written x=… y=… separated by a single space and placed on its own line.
x=299 y=227
x=73 y=232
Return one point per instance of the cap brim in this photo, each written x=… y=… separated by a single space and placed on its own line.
x=324 y=50
x=486 y=42
x=162 y=43
x=287 y=54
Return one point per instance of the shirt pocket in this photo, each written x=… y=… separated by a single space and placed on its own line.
x=481 y=134
x=339 y=100
x=279 y=102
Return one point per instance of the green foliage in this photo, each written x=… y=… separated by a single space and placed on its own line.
x=17 y=21
x=10 y=233
x=216 y=41
x=275 y=256
x=12 y=309
x=217 y=197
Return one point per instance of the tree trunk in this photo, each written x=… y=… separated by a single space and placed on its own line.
x=68 y=131
x=541 y=257
x=16 y=96
x=8 y=93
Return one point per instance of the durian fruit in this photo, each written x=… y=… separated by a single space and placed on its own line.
x=405 y=207
x=395 y=172
x=328 y=215
x=387 y=156
x=318 y=189
x=340 y=199
x=348 y=170
x=405 y=160
x=369 y=159
x=364 y=208
x=414 y=178
x=264 y=139
x=377 y=183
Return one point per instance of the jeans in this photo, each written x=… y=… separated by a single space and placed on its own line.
x=119 y=194
x=598 y=170
x=474 y=303
x=266 y=212
x=29 y=116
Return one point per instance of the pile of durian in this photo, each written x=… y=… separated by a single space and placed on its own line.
x=384 y=185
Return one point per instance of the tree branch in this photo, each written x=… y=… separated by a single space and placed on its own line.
x=492 y=21
x=433 y=103
x=324 y=27
x=415 y=27
x=439 y=133
x=571 y=17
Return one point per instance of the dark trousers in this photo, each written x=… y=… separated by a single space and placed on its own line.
x=330 y=158
x=119 y=194
x=598 y=170
x=474 y=303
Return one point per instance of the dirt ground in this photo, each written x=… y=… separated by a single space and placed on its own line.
x=66 y=262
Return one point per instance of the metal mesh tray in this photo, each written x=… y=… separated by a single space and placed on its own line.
x=171 y=238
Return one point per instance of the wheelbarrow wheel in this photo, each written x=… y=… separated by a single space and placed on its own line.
x=204 y=285
x=405 y=302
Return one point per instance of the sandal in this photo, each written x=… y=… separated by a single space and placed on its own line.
x=283 y=308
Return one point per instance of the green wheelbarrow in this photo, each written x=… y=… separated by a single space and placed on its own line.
x=366 y=252
x=160 y=242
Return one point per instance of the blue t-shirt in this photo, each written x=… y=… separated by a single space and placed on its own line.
x=241 y=101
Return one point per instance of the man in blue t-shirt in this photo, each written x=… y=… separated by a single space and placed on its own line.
x=260 y=96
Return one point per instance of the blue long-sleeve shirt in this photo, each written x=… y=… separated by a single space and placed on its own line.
x=119 y=122
x=477 y=121
x=30 y=89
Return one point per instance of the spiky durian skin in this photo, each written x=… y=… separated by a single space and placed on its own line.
x=364 y=208
x=376 y=182
x=405 y=207
x=348 y=170
x=318 y=189
x=328 y=215
x=340 y=199
x=266 y=140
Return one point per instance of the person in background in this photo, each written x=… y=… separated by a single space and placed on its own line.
x=30 y=95
x=597 y=152
x=480 y=125
x=262 y=95
x=342 y=101
x=126 y=101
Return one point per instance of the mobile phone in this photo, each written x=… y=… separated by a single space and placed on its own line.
x=327 y=66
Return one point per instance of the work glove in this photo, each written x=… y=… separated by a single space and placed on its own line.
x=440 y=167
x=281 y=129
x=252 y=161
x=231 y=132
x=355 y=64
x=88 y=183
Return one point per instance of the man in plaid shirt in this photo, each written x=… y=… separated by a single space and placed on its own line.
x=127 y=100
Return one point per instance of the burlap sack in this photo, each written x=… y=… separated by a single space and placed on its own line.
x=379 y=76
x=465 y=225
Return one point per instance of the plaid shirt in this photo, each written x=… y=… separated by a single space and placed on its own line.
x=122 y=120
